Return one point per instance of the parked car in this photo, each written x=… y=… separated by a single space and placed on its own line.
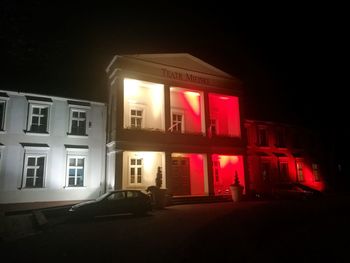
x=293 y=191
x=114 y=202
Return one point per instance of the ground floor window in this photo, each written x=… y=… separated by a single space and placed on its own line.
x=135 y=171
x=34 y=171
x=316 y=172
x=300 y=172
x=284 y=173
x=76 y=170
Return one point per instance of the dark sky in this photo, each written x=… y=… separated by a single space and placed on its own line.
x=288 y=57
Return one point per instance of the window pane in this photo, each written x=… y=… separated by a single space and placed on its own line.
x=30 y=172
x=133 y=112
x=72 y=161
x=132 y=171
x=71 y=172
x=75 y=114
x=139 y=179
x=80 y=181
x=35 y=120
x=133 y=161
x=71 y=181
x=139 y=161
x=36 y=110
x=82 y=115
x=132 y=179
x=80 y=172
x=29 y=182
x=81 y=162
x=138 y=171
x=41 y=161
x=31 y=161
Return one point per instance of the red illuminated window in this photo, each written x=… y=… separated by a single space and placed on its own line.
x=136 y=118
x=213 y=126
x=300 y=172
x=280 y=138
x=316 y=172
x=262 y=137
x=265 y=171
x=216 y=169
x=283 y=169
x=135 y=172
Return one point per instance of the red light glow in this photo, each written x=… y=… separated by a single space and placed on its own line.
x=224 y=168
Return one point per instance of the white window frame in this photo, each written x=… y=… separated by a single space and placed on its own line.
x=33 y=105
x=71 y=119
x=70 y=156
x=179 y=113
x=3 y=123
x=137 y=107
x=136 y=166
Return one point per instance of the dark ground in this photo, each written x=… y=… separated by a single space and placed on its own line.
x=250 y=231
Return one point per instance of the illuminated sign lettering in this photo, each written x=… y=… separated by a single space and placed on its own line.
x=184 y=76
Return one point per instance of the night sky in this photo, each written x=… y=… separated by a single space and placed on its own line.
x=288 y=57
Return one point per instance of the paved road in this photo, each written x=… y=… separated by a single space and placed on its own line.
x=262 y=231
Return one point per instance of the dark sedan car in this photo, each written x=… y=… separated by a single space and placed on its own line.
x=114 y=202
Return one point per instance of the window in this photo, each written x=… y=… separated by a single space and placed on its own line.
x=265 y=171
x=316 y=172
x=300 y=174
x=136 y=118
x=213 y=126
x=284 y=173
x=76 y=171
x=135 y=171
x=77 y=122
x=177 y=122
x=280 y=138
x=38 y=118
x=262 y=137
x=216 y=168
x=34 y=171
x=2 y=115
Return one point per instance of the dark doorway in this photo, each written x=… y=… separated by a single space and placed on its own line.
x=180 y=176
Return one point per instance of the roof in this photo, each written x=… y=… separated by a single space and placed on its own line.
x=177 y=60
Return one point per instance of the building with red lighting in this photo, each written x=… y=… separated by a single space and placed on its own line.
x=176 y=112
x=280 y=153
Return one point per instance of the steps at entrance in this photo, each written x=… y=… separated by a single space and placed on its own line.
x=178 y=200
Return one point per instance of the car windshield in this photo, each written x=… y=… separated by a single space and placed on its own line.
x=102 y=196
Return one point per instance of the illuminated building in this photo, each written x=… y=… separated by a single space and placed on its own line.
x=176 y=112
x=51 y=148
x=281 y=153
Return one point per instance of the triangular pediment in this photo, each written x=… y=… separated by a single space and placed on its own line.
x=181 y=61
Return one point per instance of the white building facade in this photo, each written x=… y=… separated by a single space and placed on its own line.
x=51 y=148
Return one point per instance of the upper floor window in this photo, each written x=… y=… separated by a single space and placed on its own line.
x=316 y=172
x=280 y=138
x=213 y=126
x=136 y=118
x=2 y=114
x=262 y=137
x=77 y=122
x=38 y=114
x=38 y=118
x=177 y=122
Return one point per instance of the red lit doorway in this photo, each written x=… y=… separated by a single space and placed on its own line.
x=180 y=176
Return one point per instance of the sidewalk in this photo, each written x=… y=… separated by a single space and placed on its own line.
x=24 y=208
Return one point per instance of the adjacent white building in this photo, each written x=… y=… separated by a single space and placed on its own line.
x=51 y=148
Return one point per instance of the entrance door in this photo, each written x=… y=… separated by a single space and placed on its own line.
x=265 y=176
x=180 y=176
